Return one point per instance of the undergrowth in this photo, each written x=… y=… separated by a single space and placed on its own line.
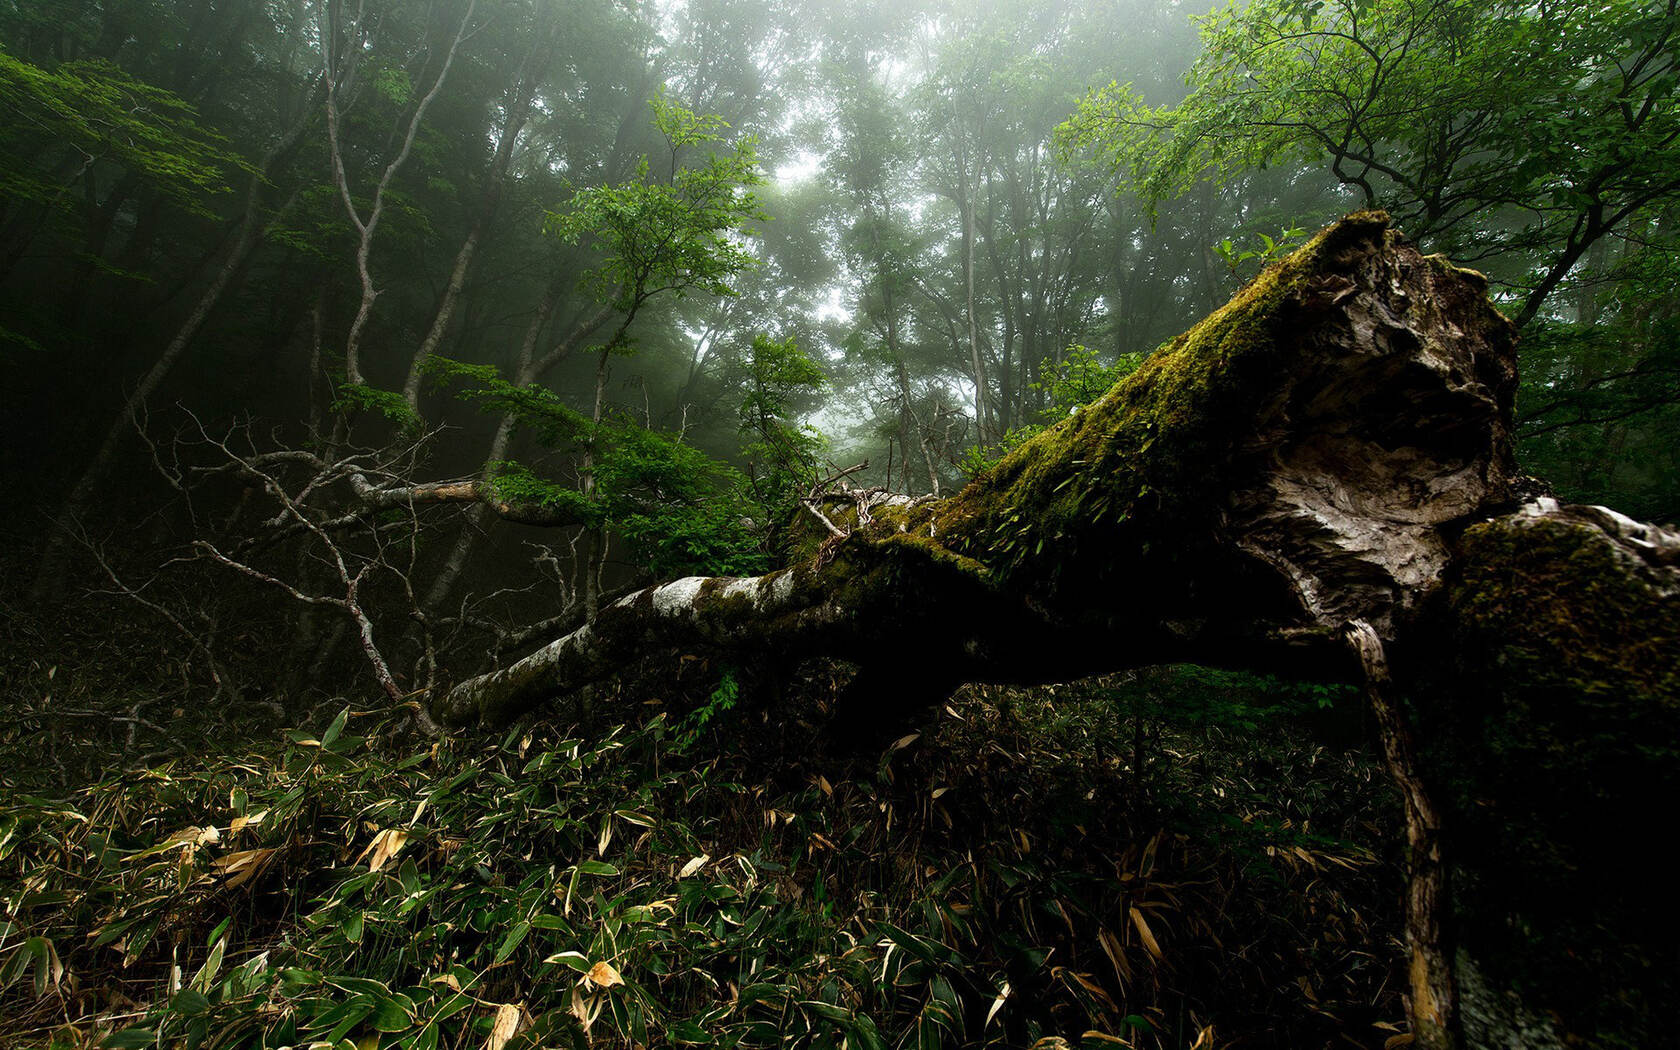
x=1046 y=868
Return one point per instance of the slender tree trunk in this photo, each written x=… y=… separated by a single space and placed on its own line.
x=251 y=229
x=982 y=417
x=366 y=228
x=597 y=541
x=1434 y=1009
x=477 y=516
x=519 y=111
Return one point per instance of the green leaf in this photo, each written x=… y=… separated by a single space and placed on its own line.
x=393 y=1013
x=511 y=941
x=189 y=1001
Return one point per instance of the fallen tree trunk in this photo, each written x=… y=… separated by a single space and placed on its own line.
x=1301 y=459
x=1321 y=470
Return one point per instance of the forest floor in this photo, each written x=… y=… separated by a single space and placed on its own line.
x=1178 y=857
x=1047 y=867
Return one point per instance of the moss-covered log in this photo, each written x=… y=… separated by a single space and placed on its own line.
x=1302 y=458
x=1326 y=459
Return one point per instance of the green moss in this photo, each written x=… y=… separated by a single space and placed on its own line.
x=1551 y=735
x=1147 y=455
x=1557 y=611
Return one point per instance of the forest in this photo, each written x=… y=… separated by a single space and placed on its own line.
x=1052 y=524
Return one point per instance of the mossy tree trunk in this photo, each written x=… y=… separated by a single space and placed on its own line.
x=1303 y=458
x=1327 y=458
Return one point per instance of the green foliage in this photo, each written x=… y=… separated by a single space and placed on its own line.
x=721 y=701
x=1268 y=250
x=532 y=406
x=393 y=85
x=676 y=235
x=684 y=127
x=681 y=511
x=959 y=890
x=353 y=398
x=1436 y=111
x=97 y=112
x=1067 y=386
x=513 y=482
x=782 y=456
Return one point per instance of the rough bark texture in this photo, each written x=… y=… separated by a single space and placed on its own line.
x=1324 y=461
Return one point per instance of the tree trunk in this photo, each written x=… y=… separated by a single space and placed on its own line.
x=1324 y=461
x=1301 y=459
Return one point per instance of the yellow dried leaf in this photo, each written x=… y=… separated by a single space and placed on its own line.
x=602 y=975
x=248 y=820
x=1394 y=1042
x=504 y=1027
x=1144 y=933
x=1116 y=955
x=997 y=1004
x=195 y=836
x=905 y=741
x=693 y=866
x=585 y=1008
x=385 y=845
x=243 y=866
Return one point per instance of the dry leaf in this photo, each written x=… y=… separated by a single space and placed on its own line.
x=248 y=820
x=1116 y=955
x=693 y=866
x=384 y=846
x=196 y=836
x=585 y=1008
x=243 y=866
x=997 y=1004
x=1144 y=933
x=506 y=1024
x=904 y=741
x=602 y=975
